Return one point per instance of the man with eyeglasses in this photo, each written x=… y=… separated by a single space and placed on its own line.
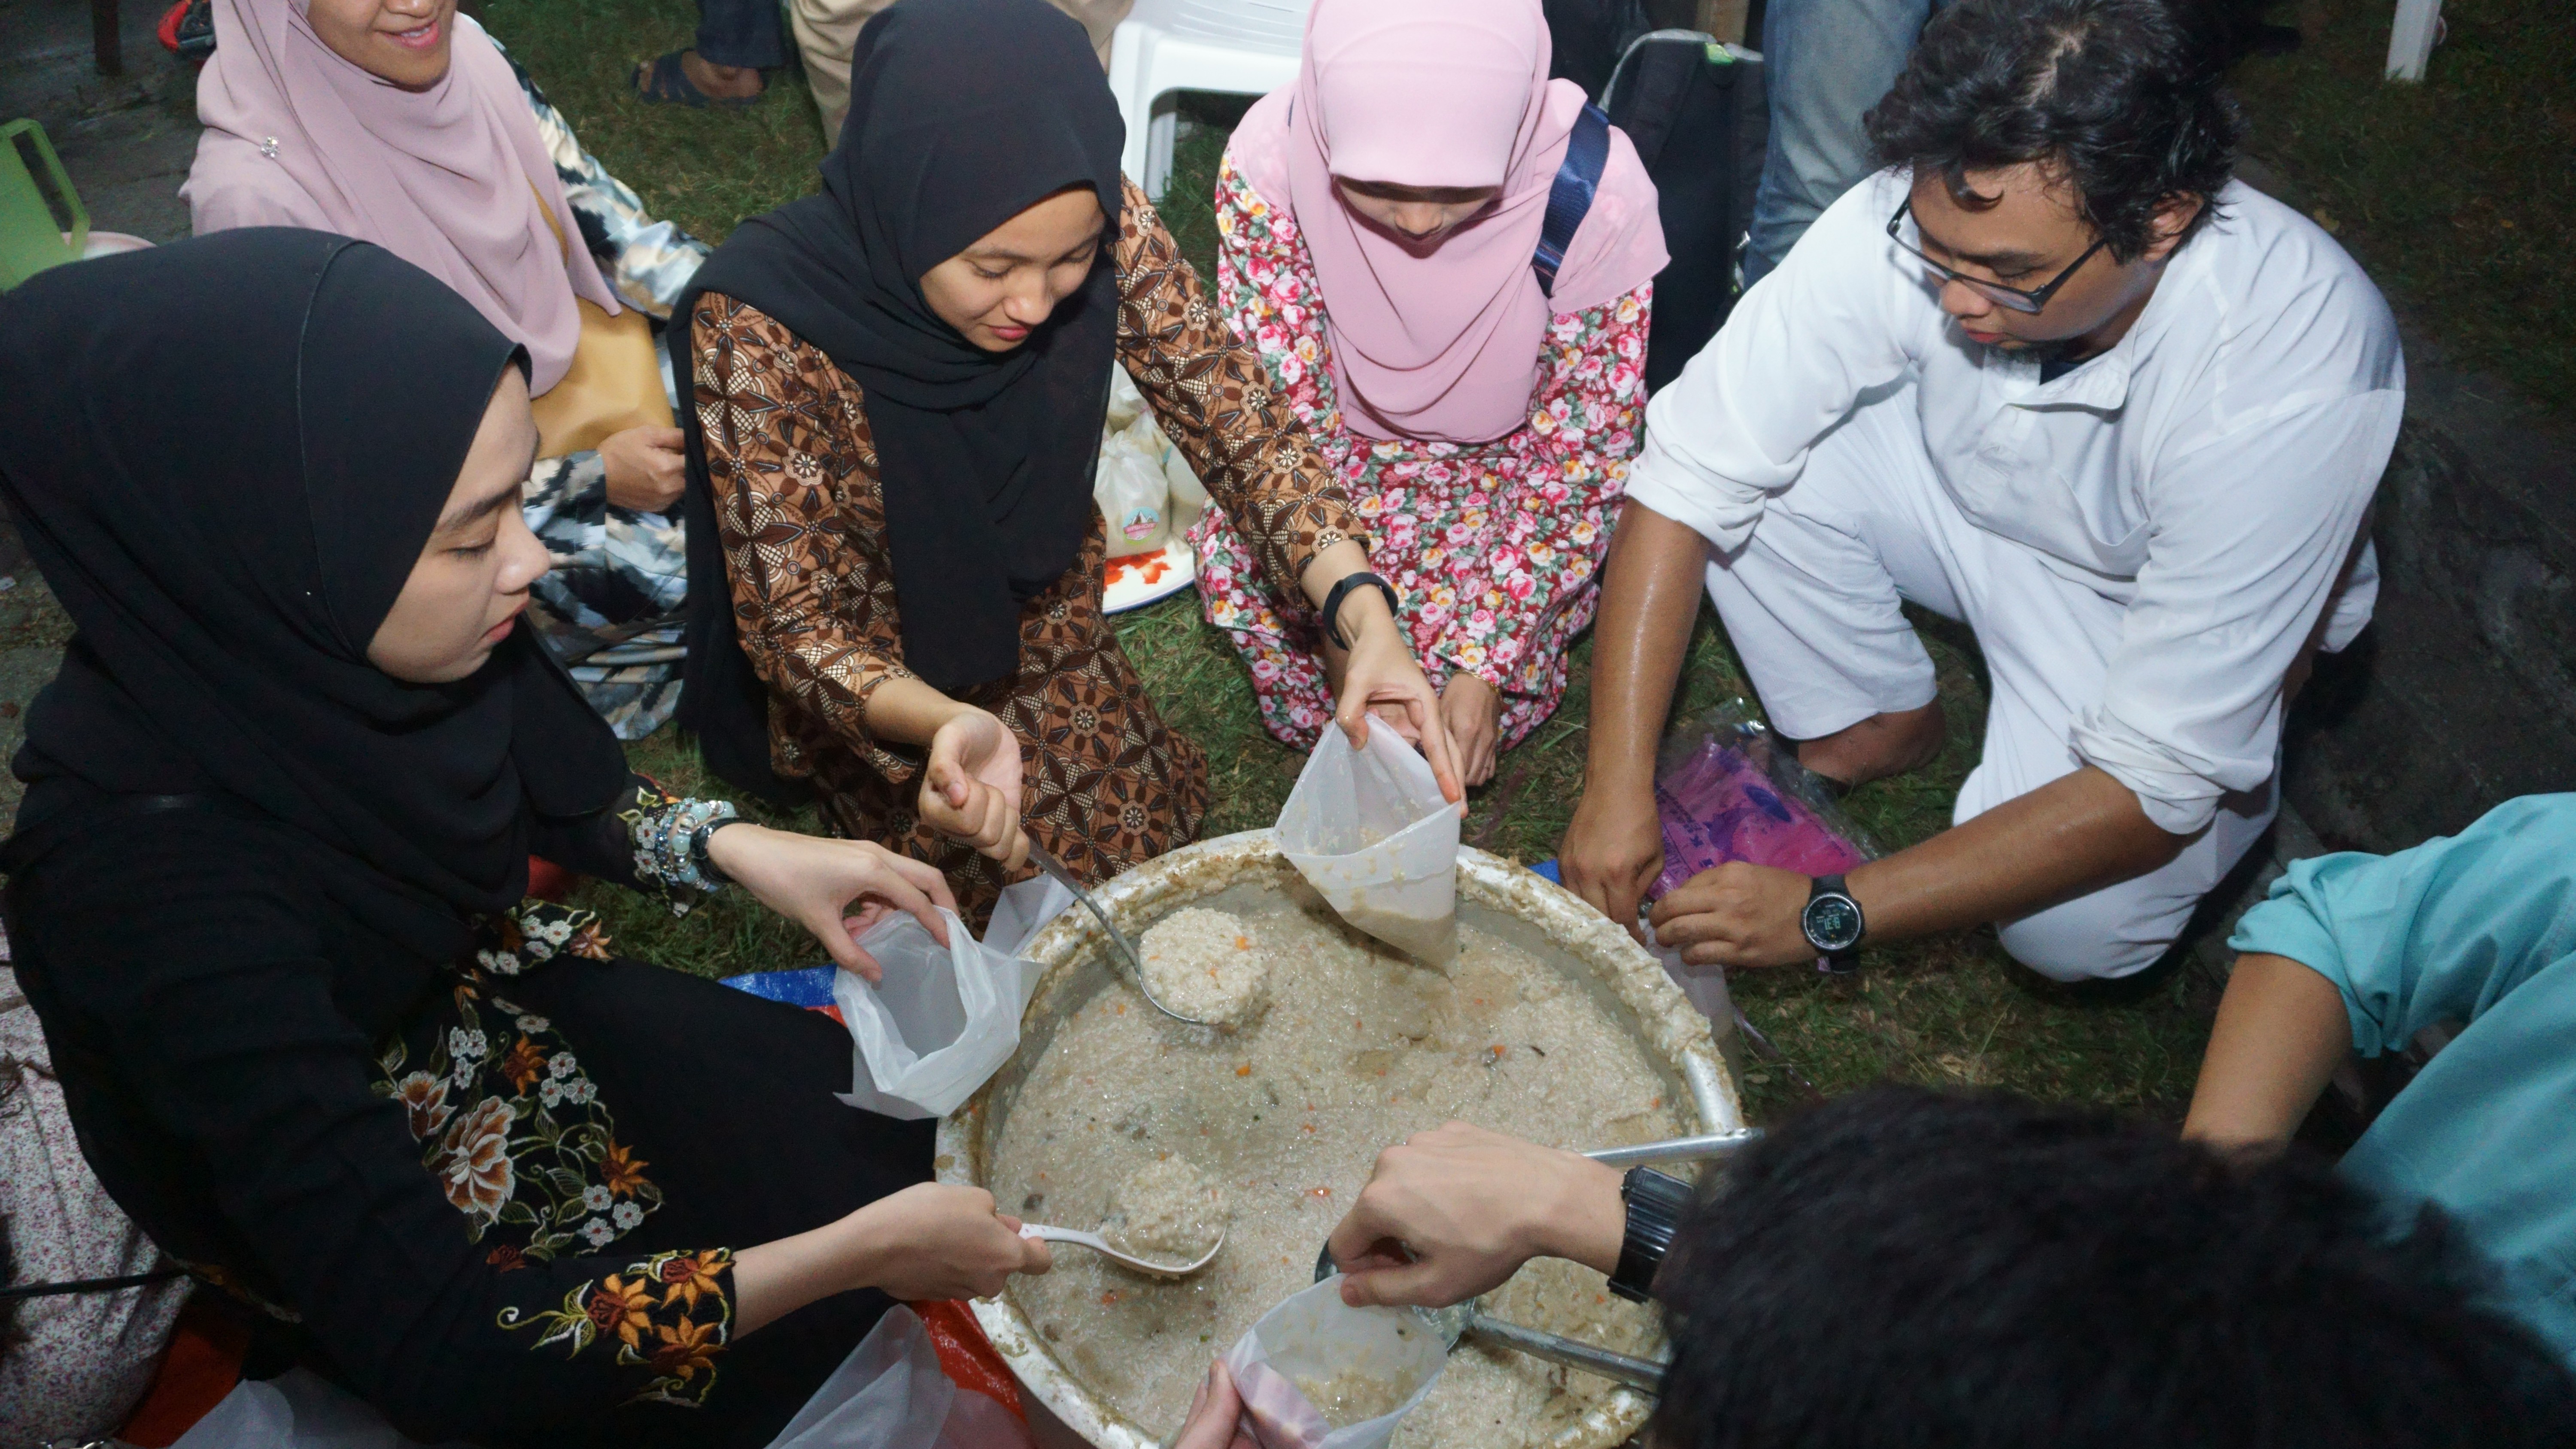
x=2053 y=374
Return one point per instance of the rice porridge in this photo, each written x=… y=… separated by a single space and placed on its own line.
x=1205 y=965
x=1359 y=1047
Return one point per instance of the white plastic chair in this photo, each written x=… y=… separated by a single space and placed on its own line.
x=1239 y=47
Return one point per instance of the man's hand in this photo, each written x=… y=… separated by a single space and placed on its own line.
x=1737 y=915
x=646 y=468
x=971 y=791
x=1473 y=711
x=1613 y=851
x=1454 y=1211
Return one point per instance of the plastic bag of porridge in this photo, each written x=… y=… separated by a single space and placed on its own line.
x=943 y=1021
x=1368 y=829
x=1316 y=1373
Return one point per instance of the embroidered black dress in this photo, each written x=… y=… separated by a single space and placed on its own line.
x=496 y=1196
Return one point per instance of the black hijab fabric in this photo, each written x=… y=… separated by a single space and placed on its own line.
x=963 y=113
x=226 y=455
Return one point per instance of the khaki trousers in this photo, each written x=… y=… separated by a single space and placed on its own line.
x=827 y=30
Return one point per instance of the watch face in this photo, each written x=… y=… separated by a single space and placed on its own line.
x=1832 y=923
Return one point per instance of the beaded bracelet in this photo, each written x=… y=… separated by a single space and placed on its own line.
x=675 y=842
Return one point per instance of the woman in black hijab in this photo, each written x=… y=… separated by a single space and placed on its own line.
x=900 y=385
x=265 y=889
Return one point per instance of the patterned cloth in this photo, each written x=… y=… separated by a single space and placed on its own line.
x=794 y=469
x=516 y=1135
x=1494 y=549
x=611 y=607
x=85 y=1358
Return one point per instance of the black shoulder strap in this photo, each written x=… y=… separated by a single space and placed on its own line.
x=1578 y=177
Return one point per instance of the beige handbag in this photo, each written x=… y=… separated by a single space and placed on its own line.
x=615 y=381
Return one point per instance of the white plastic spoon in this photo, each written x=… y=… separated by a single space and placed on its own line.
x=1100 y=1245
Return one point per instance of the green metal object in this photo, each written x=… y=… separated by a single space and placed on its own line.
x=32 y=237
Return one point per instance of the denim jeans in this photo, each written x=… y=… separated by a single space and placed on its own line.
x=741 y=32
x=1826 y=63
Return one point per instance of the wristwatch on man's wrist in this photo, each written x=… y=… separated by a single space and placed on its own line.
x=1657 y=1204
x=1833 y=925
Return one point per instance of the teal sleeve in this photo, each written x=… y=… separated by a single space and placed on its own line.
x=2440 y=932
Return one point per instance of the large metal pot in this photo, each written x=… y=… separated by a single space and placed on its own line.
x=1493 y=894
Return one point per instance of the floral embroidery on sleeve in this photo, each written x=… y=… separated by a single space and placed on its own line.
x=513 y=1132
x=671 y=1313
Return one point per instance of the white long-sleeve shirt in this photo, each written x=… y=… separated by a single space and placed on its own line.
x=2208 y=472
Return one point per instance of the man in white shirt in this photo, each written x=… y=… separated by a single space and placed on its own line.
x=2053 y=374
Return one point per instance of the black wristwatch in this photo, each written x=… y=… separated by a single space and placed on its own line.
x=1833 y=925
x=1656 y=1207
x=1342 y=590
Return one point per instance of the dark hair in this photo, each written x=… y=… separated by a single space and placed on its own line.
x=1905 y=1268
x=2119 y=97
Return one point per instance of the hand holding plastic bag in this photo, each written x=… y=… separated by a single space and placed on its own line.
x=939 y=1025
x=1350 y=1355
x=1368 y=828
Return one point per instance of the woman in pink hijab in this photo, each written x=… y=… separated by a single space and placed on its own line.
x=400 y=122
x=1378 y=225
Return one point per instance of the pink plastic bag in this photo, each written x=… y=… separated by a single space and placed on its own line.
x=1727 y=791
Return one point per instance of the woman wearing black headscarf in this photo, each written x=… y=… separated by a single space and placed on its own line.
x=900 y=384
x=265 y=893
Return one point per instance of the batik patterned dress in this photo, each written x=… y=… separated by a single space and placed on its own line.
x=1494 y=549
x=793 y=465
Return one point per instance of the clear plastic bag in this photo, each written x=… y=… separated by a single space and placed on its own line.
x=1728 y=790
x=1392 y=1355
x=890 y=1393
x=1369 y=830
x=943 y=1021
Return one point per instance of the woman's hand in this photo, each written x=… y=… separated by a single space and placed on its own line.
x=1473 y=711
x=1216 y=1415
x=812 y=882
x=939 y=1240
x=646 y=468
x=931 y=1240
x=1383 y=677
x=971 y=792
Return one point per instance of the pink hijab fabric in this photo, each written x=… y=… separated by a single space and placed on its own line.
x=298 y=136
x=1441 y=345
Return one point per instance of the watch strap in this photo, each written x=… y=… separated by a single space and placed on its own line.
x=1657 y=1203
x=1342 y=590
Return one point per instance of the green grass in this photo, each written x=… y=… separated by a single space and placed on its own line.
x=2457 y=193
x=1951 y=1010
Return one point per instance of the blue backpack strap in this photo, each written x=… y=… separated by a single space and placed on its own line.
x=1578 y=177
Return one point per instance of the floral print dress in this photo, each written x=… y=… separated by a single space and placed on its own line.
x=1494 y=549
x=792 y=463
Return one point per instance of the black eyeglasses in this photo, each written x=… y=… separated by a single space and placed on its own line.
x=1996 y=292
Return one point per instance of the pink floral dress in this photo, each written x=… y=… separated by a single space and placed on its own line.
x=1494 y=548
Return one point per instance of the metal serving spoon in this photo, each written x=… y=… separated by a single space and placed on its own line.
x=1468 y=1320
x=1135 y=964
x=1100 y=1245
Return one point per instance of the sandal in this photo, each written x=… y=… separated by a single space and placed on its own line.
x=664 y=82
